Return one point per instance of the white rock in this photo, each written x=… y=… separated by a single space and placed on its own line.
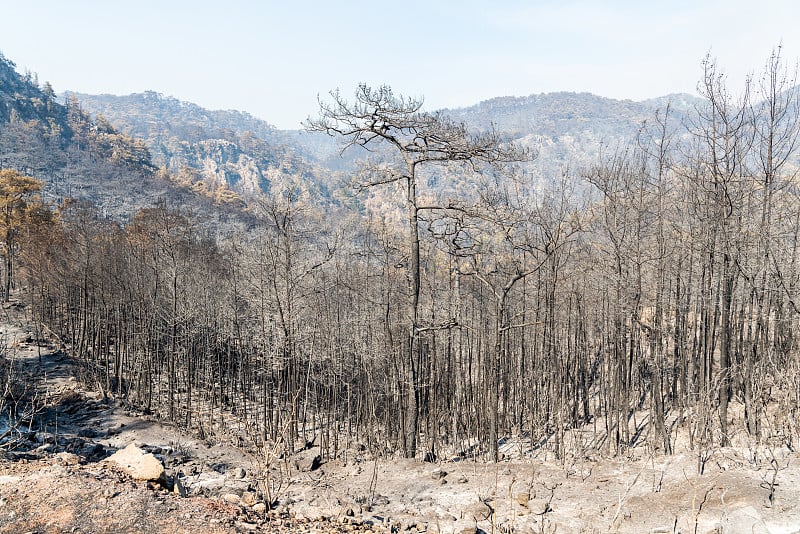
x=137 y=463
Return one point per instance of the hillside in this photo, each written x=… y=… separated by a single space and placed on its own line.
x=208 y=150
x=236 y=149
x=570 y=129
x=58 y=474
x=81 y=158
x=553 y=114
x=22 y=99
x=612 y=348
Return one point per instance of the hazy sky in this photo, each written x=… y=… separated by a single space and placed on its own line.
x=272 y=58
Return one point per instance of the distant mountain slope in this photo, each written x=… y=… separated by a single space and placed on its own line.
x=211 y=151
x=564 y=129
x=151 y=114
x=569 y=128
x=554 y=114
x=219 y=153
x=236 y=150
x=83 y=158
x=22 y=99
x=681 y=102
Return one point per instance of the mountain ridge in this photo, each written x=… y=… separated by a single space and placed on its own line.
x=209 y=150
x=233 y=149
x=83 y=158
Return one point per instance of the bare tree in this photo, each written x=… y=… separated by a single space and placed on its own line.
x=411 y=140
x=726 y=138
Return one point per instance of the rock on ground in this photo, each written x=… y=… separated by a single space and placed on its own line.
x=137 y=463
x=308 y=460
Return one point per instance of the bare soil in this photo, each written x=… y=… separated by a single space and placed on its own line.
x=53 y=478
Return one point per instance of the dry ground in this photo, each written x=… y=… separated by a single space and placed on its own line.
x=52 y=479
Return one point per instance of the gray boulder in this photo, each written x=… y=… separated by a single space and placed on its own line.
x=308 y=460
x=478 y=511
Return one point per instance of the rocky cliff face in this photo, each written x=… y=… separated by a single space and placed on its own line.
x=240 y=152
x=222 y=163
x=85 y=158
x=221 y=150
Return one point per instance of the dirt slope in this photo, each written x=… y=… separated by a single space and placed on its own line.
x=53 y=478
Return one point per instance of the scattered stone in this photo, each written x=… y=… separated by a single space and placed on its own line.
x=478 y=511
x=207 y=484
x=462 y=479
x=523 y=499
x=93 y=451
x=231 y=498
x=260 y=507
x=438 y=473
x=239 y=487
x=249 y=498
x=309 y=460
x=87 y=433
x=137 y=463
x=245 y=526
x=220 y=468
x=68 y=458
